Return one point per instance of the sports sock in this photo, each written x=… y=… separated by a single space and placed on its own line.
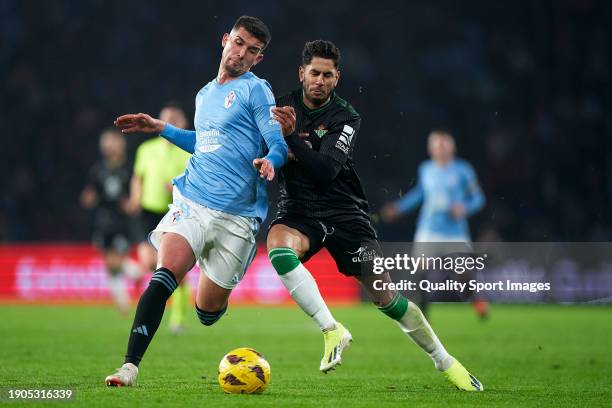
x=412 y=322
x=131 y=268
x=117 y=289
x=149 y=314
x=301 y=286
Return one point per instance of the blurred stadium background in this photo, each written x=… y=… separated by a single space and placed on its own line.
x=524 y=86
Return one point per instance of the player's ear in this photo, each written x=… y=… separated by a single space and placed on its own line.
x=301 y=73
x=224 y=39
x=258 y=59
x=337 y=78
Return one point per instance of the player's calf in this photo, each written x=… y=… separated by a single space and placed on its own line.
x=301 y=286
x=412 y=322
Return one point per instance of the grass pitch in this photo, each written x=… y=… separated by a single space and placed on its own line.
x=557 y=356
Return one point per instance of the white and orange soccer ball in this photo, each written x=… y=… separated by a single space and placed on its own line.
x=244 y=371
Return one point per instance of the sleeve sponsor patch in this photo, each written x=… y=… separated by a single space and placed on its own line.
x=272 y=121
x=344 y=141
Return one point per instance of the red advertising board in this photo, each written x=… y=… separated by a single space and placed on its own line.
x=76 y=273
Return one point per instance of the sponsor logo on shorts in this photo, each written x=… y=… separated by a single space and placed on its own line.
x=176 y=216
x=178 y=211
x=363 y=254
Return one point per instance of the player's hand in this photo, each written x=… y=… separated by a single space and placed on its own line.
x=139 y=122
x=290 y=155
x=130 y=207
x=304 y=136
x=265 y=167
x=389 y=213
x=458 y=211
x=89 y=198
x=285 y=116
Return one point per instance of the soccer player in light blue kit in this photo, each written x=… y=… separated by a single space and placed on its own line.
x=220 y=200
x=449 y=192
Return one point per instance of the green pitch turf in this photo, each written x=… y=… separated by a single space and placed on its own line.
x=557 y=356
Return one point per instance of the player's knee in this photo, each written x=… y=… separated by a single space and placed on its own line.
x=209 y=318
x=277 y=240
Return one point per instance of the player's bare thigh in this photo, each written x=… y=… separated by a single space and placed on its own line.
x=211 y=297
x=379 y=297
x=175 y=254
x=283 y=236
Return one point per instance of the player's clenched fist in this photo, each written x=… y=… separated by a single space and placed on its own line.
x=139 y=122
x=266 y=169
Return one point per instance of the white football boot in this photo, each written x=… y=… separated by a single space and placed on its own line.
x=123 y=377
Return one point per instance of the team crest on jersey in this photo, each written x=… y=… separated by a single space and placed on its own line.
x=320 y=131
x=229 y=99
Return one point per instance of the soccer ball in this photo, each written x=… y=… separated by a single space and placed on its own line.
x=244 y=371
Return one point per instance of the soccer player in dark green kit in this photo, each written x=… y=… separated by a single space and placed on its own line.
x=322 y=204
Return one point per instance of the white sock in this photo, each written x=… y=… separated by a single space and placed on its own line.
x=303 y=289
x=131 y=269
x=414 y=324
x=117 y=290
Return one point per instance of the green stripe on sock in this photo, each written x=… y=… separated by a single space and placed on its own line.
x=396 y=309
x=281 y=250
x=283 y=259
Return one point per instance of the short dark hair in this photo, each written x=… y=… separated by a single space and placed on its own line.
x=173 y=105
x=442 y=130
x=321 y=49
x=255 y=27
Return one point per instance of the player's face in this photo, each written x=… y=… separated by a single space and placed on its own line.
x=174 y=116
x=441 y=146
x=112 y=145
x=319 y=79
x=241 y=51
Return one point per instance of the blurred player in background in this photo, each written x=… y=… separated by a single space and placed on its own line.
x=221 y=199
x=449 y=191
x=157 y=162
x=322 y=204
x=108 y=193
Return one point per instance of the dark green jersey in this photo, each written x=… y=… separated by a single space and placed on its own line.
x=332 y=130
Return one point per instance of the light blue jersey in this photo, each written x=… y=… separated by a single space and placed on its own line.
x=234 y=125
x=438 y=189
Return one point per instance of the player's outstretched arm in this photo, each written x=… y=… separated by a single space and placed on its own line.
x=139 y=122
x=407 y=203
x=475 y=198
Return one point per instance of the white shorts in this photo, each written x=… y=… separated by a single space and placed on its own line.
x=435 y=244
x=223 y=244
x=427 y=236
